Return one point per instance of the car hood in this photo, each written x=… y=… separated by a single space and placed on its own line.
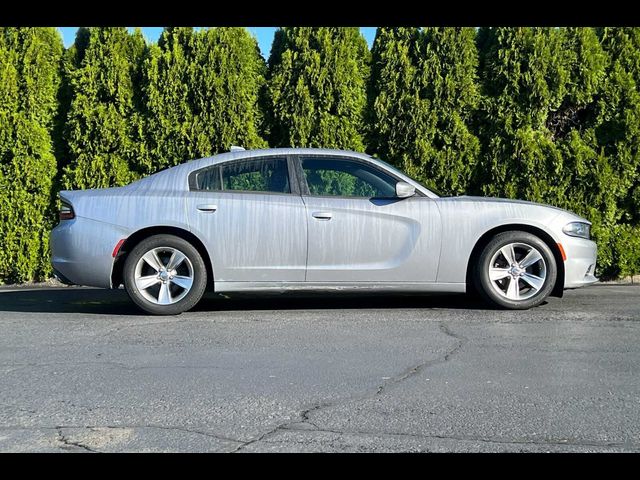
x=474 y=199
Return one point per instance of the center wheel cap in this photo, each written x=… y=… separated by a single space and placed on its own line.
x=516 y=271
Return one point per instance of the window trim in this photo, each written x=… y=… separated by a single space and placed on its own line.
x=305 y=187
x=293 y=179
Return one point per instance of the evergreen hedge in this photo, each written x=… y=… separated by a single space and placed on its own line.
x=316 y=88
x=29 y=81
x=546 y=114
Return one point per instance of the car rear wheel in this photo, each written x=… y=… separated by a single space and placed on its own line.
x=516 y=270
x=165 y=275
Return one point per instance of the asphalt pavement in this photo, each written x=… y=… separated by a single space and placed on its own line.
x=81 y=370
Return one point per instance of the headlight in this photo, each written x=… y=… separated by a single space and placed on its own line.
x=577 y=229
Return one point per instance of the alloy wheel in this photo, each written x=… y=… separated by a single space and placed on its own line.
x=517 y=271
x=164 y=275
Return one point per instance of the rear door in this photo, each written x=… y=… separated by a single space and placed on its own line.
x=252 y=218
x=359 y=231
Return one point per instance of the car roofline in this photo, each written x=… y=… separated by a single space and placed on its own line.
x=266 y=152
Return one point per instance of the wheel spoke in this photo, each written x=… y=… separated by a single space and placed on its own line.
x=498 y=273
x=508 y=254
x=533 y=280
x=145 y=282
x=176 y=259
x=532 y=257
x=184 y=282
x=513 y=290
x=164 y=297
x=153 y=260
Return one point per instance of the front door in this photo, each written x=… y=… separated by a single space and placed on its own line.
x=252 y=219
x=360 y=232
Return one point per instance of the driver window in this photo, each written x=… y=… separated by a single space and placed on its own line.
x=346 y=178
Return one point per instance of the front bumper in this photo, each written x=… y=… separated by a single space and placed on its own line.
x=81 y=251
x=580 y=265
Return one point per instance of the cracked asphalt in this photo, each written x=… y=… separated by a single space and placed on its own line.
x=81 y=370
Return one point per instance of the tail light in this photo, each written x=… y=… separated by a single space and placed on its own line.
x=66 y=211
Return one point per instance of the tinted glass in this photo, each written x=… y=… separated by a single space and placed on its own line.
x=260 y=175
x=346 y=178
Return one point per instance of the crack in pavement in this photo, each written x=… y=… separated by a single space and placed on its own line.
x=312 y=427
x=430 y=363
x=303 y=417
x=68 y=443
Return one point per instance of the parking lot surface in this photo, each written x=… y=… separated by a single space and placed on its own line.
x=82 y=370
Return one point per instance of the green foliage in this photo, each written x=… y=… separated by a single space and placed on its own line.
x=523 y=79
x=422 y=96
x=201 y=94
x=104 y=126
x=316 y=88
x=29 y=79
x=560 y=123
x=626 y=249
x=394 y=110
x=545 y=114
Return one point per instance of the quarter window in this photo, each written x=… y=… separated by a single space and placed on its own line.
x=260 y=175
x=346 y=178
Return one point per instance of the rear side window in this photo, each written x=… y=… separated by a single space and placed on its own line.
x=260 y=175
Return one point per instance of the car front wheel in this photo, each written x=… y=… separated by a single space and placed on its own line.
x=516 y=270
x=165 y=275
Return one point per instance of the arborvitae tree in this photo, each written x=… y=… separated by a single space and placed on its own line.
x=523 y=78
x=591 y=186
x=167 y=92
x=617 y=131
x=394 y=107
x=448 y=60
x=226 y=90
x=422 y=97
x=316 y=92
x=201 y=94
x=104 y=127
x=29 y=79
x=623 y=47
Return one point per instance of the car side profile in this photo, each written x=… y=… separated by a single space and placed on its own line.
x=316 y=220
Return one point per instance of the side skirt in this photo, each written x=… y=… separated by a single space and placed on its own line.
x=339 y=287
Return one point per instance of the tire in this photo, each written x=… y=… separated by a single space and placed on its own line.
x=519 y=284
x=157 y=289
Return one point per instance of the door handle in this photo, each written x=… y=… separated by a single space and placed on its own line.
x=322 y=215
x=206 y=207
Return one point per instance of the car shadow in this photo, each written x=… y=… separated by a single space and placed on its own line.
x=116 y=302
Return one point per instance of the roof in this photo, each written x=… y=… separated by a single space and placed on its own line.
x=280 y=151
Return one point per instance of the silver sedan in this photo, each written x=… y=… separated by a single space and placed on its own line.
x=316 y=220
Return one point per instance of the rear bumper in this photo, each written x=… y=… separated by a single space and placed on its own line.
x=81 y=251
x=580 y=265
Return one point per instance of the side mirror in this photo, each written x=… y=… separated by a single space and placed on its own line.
x=404 y=190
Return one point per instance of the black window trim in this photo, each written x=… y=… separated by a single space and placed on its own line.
x=293 y=178
x=304 y=187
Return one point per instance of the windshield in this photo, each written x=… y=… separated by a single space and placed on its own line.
x=395 y=169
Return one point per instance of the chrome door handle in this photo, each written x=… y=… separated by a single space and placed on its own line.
x=322 y=215
x=206 y=207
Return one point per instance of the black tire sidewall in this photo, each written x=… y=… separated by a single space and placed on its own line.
x=199 y=274
x=483 y=283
